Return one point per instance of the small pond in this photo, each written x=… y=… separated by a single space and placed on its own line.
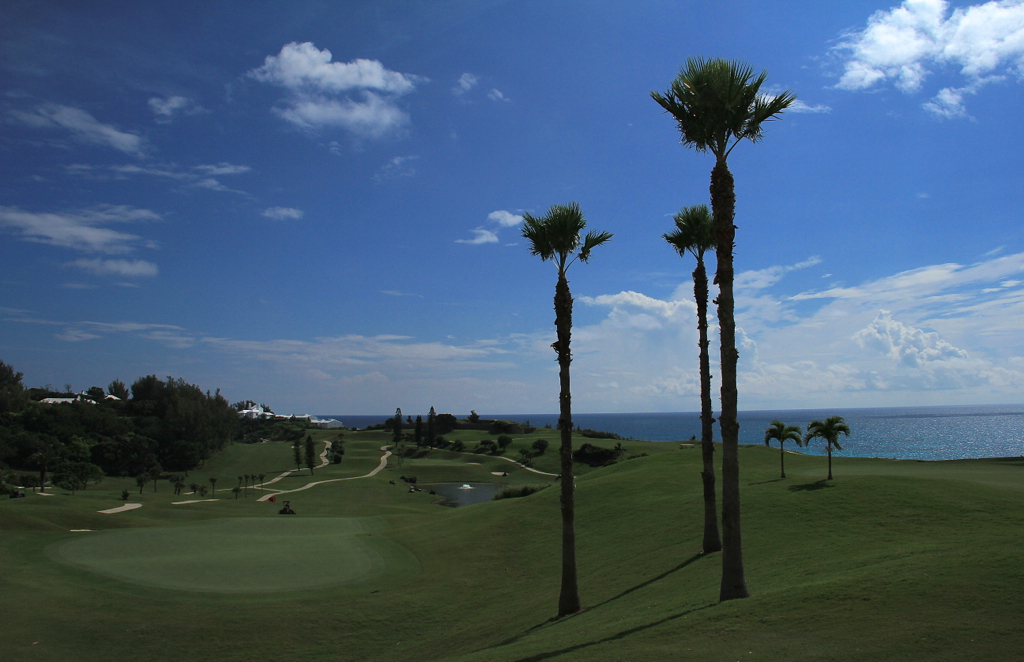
x=456 y=496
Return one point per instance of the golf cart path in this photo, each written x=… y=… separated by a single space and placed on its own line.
x=323 y=457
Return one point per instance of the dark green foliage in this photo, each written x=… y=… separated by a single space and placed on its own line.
x=446 y=423
x=418 y=431
x=540 y=445
x=517 y=491
x=594 y=456
x=296 y=454
x=310 y=453
x=12 y=392
x=431 y=428
x=118 y=389
x=458 y=446
x=503 y=441
x=473 y=417
x=396 y=427
x=596 y=434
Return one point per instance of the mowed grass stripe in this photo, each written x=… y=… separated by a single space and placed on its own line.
x=241 y=554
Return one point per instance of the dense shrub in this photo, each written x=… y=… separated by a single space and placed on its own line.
x=594 y=456
x=516 y=491
x=540 y=446
x=596 y=434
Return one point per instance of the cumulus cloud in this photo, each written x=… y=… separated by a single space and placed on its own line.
x=505 y=219
x=79 y=230
x=358 y=96
x=496 y=95
x=908 y=43
x=905 y=344
x=125 y=268
x=482 y=236
x=83 y=127
x=282 y=213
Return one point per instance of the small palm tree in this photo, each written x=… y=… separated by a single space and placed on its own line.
x=556 y=237
x=695 y=234
x=829 y=430
x=213 y=486
x=717 y=104
x=262 y=476
x=782 y=433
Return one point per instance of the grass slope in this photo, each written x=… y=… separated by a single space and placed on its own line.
x=891 y=561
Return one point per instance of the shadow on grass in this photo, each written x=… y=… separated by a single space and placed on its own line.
x=765 y=482
x=613 y=637
x=810 y=487
x=639 y=586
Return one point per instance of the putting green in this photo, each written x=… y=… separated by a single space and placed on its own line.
x=254 y=554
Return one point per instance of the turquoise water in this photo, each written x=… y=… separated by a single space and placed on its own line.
x=920 y=433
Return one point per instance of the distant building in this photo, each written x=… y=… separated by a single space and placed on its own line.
x=68 y=400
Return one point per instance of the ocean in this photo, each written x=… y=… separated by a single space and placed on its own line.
x=913 y=433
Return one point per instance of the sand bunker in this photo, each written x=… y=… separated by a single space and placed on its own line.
x=120 y=509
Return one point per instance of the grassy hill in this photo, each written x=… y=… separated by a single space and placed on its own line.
x=893 y=560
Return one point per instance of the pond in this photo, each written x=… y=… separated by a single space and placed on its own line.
x=457 y=495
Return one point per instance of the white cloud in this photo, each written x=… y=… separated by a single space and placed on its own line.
x=166 y=109
x=505 y=219
x=282 y=213
x=948 y=103
x=319 y=88
x=126 y=268
x=399 y=166
x=908 y=43
x=79 y=230
x=762 y=278
x=904 y=344
x=496 y=95
x=200 y=176
x=466 y=82
x=83 y=127
x=799 y=106
x=398 y=293
x=483 y=236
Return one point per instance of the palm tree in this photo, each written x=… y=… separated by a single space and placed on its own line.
x=782 y=433
x=829 y=431
x=213 y=485
x=556 y=237
x=716 y=104
x=45 y=458
x=695 y=234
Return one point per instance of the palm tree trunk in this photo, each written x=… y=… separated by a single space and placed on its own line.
x=569 y=598
x=723 y=204
x=782 y=458
x=828 y=447
x=712 y=540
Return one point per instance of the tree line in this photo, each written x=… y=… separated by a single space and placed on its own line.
x=153 y=426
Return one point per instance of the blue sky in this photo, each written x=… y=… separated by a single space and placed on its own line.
x=316 y=205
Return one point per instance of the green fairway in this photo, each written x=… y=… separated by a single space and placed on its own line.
x=892 y=560
x=241 y=555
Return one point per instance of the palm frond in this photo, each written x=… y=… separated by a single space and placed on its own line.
x=694 y=233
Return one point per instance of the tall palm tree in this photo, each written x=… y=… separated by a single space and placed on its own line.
x=782 y=433
x=695 y=234
x=716 y=104
x=556 y=237
x=829 y=430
